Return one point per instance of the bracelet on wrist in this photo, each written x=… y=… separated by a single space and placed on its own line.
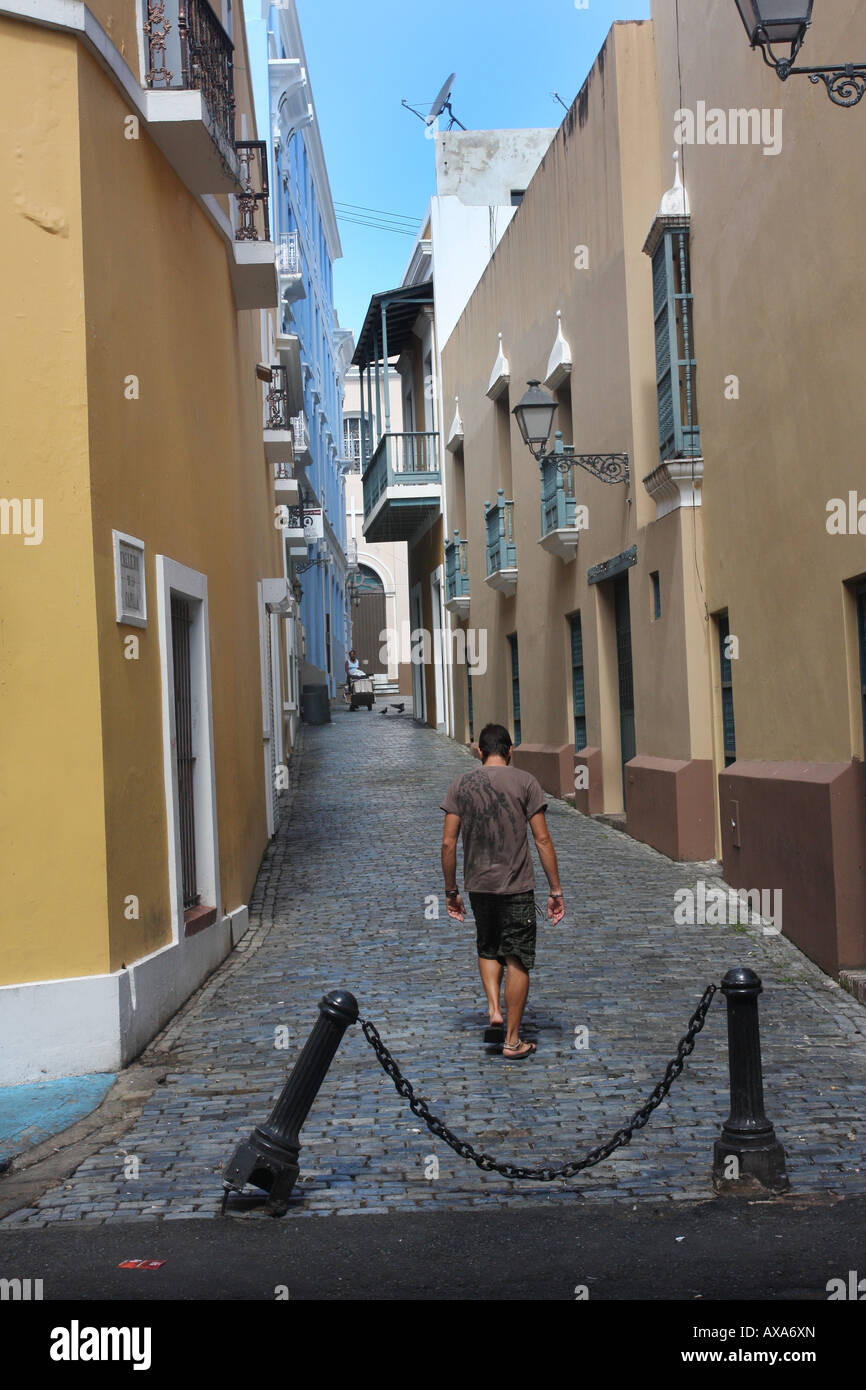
x=452 y=892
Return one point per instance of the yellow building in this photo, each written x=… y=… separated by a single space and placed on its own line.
x=142 y=691
x=672 y=630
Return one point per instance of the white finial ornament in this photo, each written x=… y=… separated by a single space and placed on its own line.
x=675 y=202
x=559 y=362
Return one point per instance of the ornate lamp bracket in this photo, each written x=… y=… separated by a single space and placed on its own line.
x=845 y=82
x=608 y=468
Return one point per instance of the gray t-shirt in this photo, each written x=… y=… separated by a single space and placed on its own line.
x=494 y=805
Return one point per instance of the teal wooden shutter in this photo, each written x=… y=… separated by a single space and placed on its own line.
x=665 y=343
x=676 y=365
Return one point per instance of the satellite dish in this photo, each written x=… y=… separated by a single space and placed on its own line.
x=442 y=103
x=442 y=100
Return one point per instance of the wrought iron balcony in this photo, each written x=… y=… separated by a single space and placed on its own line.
x=402 y=486
x=289 y=254
x=300 y=434
x=457 y=576
x=351 y=453
x=187 y=50
x=277 y=424
x=253 y=276
x=501 y=544
x=559 y=509
x=290 y=268
x=253 y=220
x=277 y=398
x=356 y=455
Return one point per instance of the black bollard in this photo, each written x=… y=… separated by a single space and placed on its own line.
x=748 y=1156
x=269 y=1158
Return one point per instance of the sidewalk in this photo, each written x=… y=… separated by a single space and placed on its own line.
x=341 y=901
x=35 y=1112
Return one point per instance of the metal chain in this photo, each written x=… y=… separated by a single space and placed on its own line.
x=419 y=1107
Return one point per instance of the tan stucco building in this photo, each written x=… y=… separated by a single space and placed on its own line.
x=684 y=648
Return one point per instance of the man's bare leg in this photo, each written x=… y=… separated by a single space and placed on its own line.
x=516 y=995
x=491 y=978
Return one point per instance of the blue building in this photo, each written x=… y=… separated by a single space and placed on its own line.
x=309 y=345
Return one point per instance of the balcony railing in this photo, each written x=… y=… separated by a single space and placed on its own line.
x=558 y=502
x=278 y=400
x=253 y=216
x=501 y=545
x=400 y=458
x=289 y=254
x=193 y=40
x=300 y=433
x=456 y=568
x=351 y=447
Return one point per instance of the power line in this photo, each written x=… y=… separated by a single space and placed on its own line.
x=359 y=207
x=376 y=226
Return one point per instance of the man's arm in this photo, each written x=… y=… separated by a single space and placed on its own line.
x=450 y=832
x=547 y=855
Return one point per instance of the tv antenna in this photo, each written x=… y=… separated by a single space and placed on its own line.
x=442 y=103
x=558 y=98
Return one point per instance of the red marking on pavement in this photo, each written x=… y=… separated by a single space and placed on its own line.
x=141 y=1264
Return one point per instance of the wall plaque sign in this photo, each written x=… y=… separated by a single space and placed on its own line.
x=129 y=583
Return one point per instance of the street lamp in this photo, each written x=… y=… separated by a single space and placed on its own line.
x=534 y=415
x=776 y=21
x=769 y=22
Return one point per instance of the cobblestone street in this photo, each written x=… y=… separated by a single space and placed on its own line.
x=340 y=901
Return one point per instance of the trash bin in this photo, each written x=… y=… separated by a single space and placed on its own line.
x=315 y=704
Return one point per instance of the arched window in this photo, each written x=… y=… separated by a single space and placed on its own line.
x=368 y=581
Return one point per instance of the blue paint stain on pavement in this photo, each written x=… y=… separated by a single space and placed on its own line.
x=29 y=1114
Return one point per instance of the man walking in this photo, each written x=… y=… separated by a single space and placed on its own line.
x=490 y=807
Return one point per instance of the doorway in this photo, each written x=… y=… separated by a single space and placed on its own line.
x=369 y=625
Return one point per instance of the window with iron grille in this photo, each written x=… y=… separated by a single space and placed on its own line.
x=515 y=687
x=676 y=366
x=577 y=684
x=656 y=595
x=728 y=734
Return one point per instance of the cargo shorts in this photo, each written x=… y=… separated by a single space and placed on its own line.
x=505 y=925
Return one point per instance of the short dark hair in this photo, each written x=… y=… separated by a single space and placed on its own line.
x=494 y=739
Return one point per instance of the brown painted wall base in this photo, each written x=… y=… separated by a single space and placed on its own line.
x=589 y=800
x=801 y=828
x=552 y=764
x=670 y=805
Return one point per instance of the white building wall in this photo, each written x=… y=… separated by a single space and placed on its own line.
x=390 y=561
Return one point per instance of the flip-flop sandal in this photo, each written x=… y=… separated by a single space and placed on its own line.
x=495 y=1033
x=530 y=1048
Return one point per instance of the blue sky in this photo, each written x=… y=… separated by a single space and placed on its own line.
x=364 y=57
